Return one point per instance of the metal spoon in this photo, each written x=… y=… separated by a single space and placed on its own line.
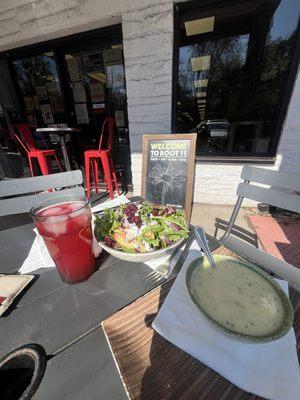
x=177 y=267
x=202 y=242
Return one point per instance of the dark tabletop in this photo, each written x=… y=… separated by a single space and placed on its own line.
x=66 y=320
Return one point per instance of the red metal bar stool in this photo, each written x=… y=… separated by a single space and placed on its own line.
x=104 y=155
x=23 y=134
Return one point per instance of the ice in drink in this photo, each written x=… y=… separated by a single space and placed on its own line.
x=66 y=230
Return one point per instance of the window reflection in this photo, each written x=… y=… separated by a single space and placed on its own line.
x=38 y=80
x=101 y=75
x=232 y=77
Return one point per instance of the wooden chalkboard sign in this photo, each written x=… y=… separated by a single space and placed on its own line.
x=168 y=170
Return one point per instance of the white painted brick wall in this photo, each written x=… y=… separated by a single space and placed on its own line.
x=148 y=41
x=148 y=44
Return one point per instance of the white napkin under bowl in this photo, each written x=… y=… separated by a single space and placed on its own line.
x=270 y=370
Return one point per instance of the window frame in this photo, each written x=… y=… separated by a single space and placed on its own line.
x=270 y=157
x=110 y=34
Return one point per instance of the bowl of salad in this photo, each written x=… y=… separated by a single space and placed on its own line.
x=140 y=231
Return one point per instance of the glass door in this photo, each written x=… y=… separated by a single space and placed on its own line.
x=96 y=81
x=78 y=81
x=96 y=89
x=39 y=84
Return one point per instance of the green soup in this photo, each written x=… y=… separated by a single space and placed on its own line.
x=237 y=297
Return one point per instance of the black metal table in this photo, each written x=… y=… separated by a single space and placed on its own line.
x=61 y=133
x=66 y=320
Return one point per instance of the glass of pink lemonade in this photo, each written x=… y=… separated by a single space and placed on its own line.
x=64 y=222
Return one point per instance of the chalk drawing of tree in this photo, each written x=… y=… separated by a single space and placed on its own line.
x=169 y=177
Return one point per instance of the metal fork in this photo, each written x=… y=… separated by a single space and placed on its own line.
x=157 y=275
x=154 y=276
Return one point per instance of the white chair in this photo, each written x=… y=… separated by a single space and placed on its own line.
x=19 y=195
x=278 y=195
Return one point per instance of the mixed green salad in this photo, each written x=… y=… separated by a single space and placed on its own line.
x=140 y=227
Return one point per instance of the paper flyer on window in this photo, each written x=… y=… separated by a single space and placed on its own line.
x=97 y=90
x=29 y=103
x=119 y=118
x=79 y=92
x=41 y=92
x=73 y=68
x=55 y=97
x=47 y=113
x=82 y=113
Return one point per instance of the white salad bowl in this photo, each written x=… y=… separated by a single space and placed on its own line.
x=138 y=257
x=141 y=257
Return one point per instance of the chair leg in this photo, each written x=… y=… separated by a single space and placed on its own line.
x=30 y=166
x=96 y=174
x=43 y=165
x=107 y=175
x=49 y=164
x=87 y=176
x=93 y=180
x=114 y=175
x=57 y=162
x=216 y=231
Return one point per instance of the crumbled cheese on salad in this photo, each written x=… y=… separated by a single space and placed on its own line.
x=140 y=227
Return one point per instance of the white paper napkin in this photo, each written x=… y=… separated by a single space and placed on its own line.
x=270 y=370
x=117 y=201
x=39 y=257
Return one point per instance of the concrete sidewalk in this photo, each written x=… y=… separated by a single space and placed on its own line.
x=206 y=214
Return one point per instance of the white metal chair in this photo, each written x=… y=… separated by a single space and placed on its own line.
x=19 y=195
x=282 y=193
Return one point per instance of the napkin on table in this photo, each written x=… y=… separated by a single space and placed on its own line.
x=39 y=257
x=270 y=370
x=117 y=201
x=10 y=287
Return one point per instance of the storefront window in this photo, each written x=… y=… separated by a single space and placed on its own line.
x=233 y=68
x=97 y=88
x=76 y=81
x=38 y=80
x=96 y=83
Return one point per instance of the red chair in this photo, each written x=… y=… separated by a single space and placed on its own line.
x=23 y=134
x=105 y=156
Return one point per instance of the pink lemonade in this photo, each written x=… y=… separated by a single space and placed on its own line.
x=66 y=230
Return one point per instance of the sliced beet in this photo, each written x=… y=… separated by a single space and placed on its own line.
x=109 y=241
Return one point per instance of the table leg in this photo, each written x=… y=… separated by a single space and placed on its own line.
x=65 y=153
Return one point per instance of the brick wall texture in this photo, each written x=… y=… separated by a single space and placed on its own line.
x=148 y=49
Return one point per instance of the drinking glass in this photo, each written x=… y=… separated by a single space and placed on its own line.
x=64 y=222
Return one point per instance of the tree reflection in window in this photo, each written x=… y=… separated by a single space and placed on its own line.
x=234 y=103
x=39 y=71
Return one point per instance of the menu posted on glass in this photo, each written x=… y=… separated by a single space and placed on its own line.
x=97 y=90
x=74 y=69
x=82 y=113
x=168 y=170
x=47 y=113
x=79 y=92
